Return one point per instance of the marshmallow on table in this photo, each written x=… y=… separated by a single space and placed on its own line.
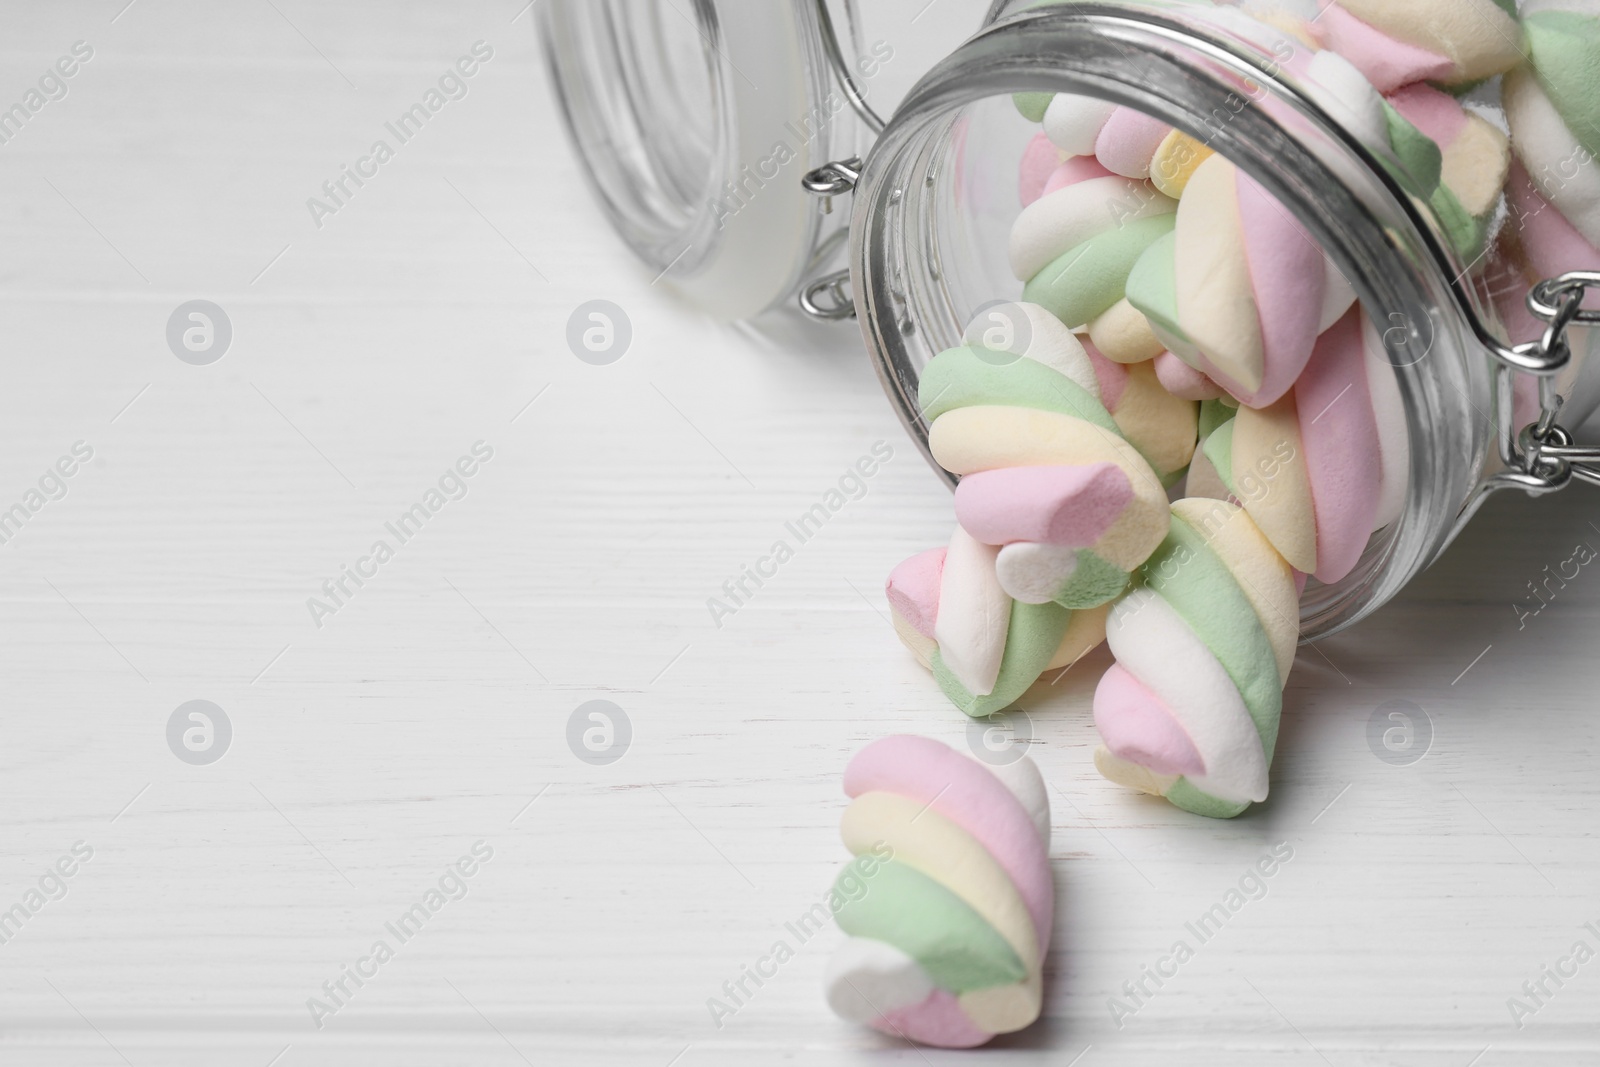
x=949 y=902
x=990 y=646
x=973 y=626
x=1015 y=649
x=912 y=590
x=913 y=593
x=986 y=438
x=1191 y=708
x=1048 y=521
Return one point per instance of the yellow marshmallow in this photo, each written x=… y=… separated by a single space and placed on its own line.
x=1268 y=455
x=1159 y=424
x=1175 y=161
x=1123 y=334
x=1084 y=633
x=1476 y=164
x=1216 y=300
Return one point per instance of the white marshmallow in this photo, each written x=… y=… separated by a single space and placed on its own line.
x=1561 y=169
x=1033 y=573
x=974 y=614
x=1337 y=294
x=1060 y=221
x=1394 y=436
x=1344 y=93
x=867 y=978
x=1044 y=339
x=1073 y=123
x=1022 y=777
x=1153 y=643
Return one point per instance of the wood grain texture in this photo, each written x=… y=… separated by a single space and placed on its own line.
x=431 y=710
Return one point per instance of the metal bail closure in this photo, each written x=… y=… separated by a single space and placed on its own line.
x=1544 y=449
x=831 y=179
x=1540 y=458
x=828 y=298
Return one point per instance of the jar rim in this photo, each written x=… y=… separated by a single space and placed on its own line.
x=605 y=67
x=731 y=228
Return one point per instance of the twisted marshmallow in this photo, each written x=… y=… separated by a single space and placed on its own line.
x=1239 y=290
x=1056 y=510
x=950 y=901
x=1327 y=464
x=1190 y=710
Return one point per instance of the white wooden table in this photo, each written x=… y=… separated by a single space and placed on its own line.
x=430 y=710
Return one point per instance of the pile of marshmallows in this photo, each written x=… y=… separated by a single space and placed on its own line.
x=1181 y=337
x=1184 y=418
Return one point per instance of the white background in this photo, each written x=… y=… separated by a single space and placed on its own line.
x=370 y=753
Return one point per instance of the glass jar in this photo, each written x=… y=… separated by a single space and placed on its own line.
x=694 y=123
x=937 y=195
